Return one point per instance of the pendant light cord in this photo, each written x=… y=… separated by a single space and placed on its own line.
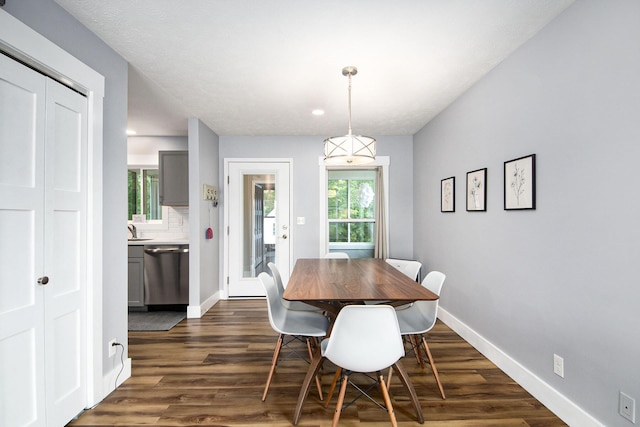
x=350 y=74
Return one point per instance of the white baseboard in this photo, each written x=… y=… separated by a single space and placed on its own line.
x=109 y=380
x=557 y=403
x=197 y=311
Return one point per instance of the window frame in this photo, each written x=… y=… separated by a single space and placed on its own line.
x=380 y=161
x=351 y=174
x=154 y=224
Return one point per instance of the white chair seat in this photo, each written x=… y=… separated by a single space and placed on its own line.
x=417 y=321
x=303 y=323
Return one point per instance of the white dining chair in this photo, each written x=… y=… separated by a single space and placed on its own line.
x=410 y=268
x=420 y=318
x=337 y=255
x=364 y=338
x=407 y=267
x=296 y=325
x=291 y=305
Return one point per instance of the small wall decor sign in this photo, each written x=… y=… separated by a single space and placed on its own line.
x=520 y=183
x=447 y=194
x=477 y=190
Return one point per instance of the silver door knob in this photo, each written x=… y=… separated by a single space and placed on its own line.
x=284 y=236
x=43 y=280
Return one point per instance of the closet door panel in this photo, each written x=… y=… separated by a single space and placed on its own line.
x=65 y=252
x=22 y=355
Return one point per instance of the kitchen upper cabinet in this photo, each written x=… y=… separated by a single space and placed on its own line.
x=174 y=178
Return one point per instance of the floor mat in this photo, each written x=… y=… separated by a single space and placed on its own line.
x=154 y=320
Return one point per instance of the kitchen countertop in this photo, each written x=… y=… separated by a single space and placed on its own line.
x=157 y=241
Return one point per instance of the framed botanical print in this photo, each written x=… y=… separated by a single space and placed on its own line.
x=477 y=190
x=520 y=183
x=447 y=194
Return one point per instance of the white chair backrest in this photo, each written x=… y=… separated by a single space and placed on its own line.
x=337 y=255
x=434 y=281
x=275 y=273
x=277 y=312
x=409 y=268
x=365 y=338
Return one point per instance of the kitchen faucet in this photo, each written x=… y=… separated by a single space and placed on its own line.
x=134 y=232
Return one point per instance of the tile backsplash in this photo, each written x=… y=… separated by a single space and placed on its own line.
x=178 y=226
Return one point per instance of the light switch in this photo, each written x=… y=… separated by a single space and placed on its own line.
x=300 y=220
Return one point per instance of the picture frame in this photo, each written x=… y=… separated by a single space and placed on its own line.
x=520 y=183
x=447 y=194
x=477 y=190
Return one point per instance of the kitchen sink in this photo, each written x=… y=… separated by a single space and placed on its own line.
x=139 y=239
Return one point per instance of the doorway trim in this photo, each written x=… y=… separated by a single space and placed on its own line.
x=225 y=270
x=22 y=42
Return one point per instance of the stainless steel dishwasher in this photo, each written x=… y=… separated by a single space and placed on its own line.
x=166 y=274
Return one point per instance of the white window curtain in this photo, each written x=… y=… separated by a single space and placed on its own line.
x=381 y=249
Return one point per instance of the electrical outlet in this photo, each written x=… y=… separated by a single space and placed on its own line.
x=558 y=365
x=111 y=348
x=627 y=407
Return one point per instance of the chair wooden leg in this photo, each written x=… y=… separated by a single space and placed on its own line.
x=274 y=362
x=387 y=400
x=389 y=377
x=415 y=342
x=314 y=367
x=343 y=389
x=318 y=385
x=336 y=377
x=433 y=367
x=406 y=381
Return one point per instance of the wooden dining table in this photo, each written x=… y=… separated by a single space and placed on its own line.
x=331 y=284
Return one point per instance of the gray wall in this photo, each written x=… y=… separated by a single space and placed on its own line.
x=204 y=262
x=53 y=22
x=563 y=278
x=305 y=150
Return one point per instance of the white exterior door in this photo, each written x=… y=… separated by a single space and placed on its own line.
x=42 y=249
x=252 y=215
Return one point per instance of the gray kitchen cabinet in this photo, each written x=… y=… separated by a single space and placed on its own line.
x=136 y=276
x=174 y=178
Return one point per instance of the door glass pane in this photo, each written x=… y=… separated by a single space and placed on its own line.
x=259 y=224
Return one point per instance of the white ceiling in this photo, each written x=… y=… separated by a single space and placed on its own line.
x=259 y=67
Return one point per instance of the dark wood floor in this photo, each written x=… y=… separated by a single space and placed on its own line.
x=211 y=372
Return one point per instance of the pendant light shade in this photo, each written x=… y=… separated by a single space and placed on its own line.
x=349 y=149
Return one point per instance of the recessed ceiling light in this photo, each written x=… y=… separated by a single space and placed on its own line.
x=318 y=112
x=131 y=132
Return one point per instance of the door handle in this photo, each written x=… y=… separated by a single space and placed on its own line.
x=43 y=280
x=284 y=236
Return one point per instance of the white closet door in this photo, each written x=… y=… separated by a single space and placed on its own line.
x=22 y=123
x=65 y=252
x=42 y=249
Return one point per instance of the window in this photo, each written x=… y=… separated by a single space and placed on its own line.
x=351 y=210
x=144 y=193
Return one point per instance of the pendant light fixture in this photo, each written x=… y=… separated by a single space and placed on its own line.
x=349 y=149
